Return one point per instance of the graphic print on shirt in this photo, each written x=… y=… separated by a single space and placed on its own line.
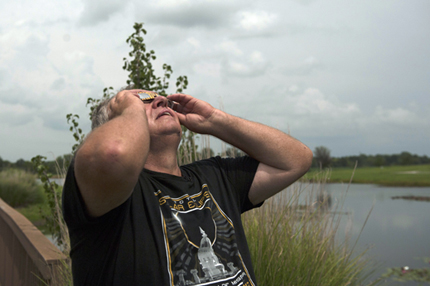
x=200 y=242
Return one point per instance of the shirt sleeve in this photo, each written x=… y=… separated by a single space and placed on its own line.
x=240 y=172
x=74 y=210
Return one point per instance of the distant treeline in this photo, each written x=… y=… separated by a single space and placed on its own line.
x=404 y=158
x=61 y=162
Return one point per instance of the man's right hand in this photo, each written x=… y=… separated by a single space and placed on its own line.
x=108 y=163
x=123 y=100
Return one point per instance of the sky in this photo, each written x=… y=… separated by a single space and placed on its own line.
x=353 y=76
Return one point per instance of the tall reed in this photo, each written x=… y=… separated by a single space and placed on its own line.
x=292 y=239
x=54 y=221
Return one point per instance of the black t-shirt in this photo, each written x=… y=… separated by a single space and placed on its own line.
x=171 y=231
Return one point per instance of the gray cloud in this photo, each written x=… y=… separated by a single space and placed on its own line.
x=210 y=15
x=32 y=53
x=59 y=84
x=244 y=68
x=309 y=66
x=96 y=12
x=305 y=2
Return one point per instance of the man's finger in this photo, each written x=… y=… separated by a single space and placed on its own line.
x=180 y=97
x=177 y=107
x=181 y=118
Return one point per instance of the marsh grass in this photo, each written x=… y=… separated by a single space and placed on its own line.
x=18 y=188
x=293 y=241
x=60 y=275
x=54 y=223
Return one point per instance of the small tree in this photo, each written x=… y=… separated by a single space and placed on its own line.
x=322 y=157
x=142 y=74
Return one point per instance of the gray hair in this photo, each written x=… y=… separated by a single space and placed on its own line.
x=100 y=114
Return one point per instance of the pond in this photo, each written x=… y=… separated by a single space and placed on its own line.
x=398 y=230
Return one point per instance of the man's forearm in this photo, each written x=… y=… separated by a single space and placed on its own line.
x=265 y=144
x=108 y=164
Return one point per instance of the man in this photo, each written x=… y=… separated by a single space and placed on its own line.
x=136 y=218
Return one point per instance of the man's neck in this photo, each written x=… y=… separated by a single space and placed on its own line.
x=162 y=158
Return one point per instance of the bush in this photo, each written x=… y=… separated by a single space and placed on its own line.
x=19 y=188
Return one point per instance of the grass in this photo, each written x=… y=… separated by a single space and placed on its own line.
x=34 y=214
x=412 y=176
x=19 y=188
x=296 y=244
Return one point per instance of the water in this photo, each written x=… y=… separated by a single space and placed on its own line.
x=398 y=230
x=59 y=181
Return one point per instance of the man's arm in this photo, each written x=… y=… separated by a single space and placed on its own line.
x=108 y=163
x=282 y=158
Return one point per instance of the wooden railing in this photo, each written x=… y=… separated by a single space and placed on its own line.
x=27 y=257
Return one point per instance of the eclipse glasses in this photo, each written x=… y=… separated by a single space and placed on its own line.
x=149 y=96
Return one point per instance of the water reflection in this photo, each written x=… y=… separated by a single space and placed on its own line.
x=398 y=230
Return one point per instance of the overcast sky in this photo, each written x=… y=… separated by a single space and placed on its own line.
x=353 y=76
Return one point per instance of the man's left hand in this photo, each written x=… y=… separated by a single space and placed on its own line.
x=193 y=113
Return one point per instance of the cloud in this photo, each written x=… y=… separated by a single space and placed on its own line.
x=313 y=112
x=15 y=114
x=39 y=83
x=26 y=141
x=77 y=63
x=397 y=115
x=250 y=65
x=185 y=14
x=307 y=67
x=383 y=125
x=313 y=102
x=305 y=2
x=194 y=42
x=210 y=68
x=97 y=11
x=33 y=52
x=231 y=48
x=256 y=20
x=59 y=84
x=310 y=112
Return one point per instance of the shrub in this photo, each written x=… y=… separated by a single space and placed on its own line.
x=19 y=188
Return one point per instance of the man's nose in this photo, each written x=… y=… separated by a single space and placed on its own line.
x=160 y=101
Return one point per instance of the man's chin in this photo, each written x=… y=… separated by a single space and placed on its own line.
x=168 y=133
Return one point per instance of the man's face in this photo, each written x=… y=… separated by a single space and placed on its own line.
x=162 y=120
